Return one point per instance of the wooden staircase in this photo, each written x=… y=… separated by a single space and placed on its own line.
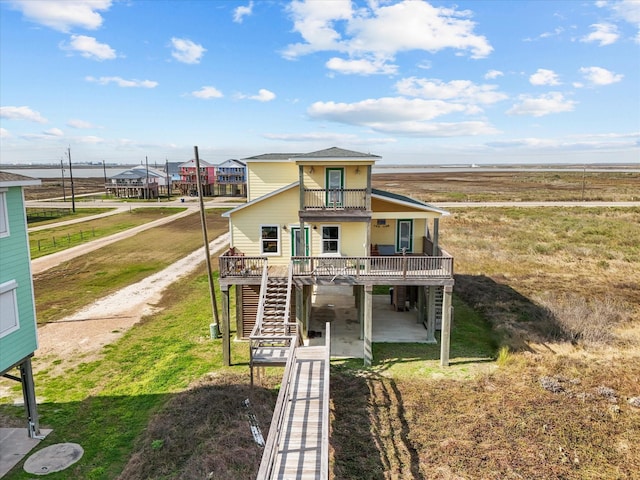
x=274 y=335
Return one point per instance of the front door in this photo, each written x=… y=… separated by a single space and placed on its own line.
x=335 y=185
x=404 y=236
x=295 y=241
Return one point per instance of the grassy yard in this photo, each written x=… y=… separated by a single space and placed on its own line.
x=70 y=286
x=46 y=242
x=37 y=217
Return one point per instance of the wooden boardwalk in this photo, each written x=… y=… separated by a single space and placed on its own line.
x=300 y=450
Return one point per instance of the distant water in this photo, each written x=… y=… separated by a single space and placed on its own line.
x=99 y=172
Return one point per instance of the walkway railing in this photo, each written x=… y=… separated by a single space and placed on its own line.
x=280 y=419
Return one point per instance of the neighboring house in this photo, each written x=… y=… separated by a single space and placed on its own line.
x=188 y=184
x=18 y=329
x=314 y=219
x=138 y=182
x=231 y=178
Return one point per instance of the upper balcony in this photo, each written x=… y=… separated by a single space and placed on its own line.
x=337 y=204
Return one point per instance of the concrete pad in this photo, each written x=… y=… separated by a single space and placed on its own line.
x=336 y=305
x=15 y=444
x=53 y=458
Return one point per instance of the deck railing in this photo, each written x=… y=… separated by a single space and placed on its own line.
x=398 y=266
x=241 y=266
x=337 y=198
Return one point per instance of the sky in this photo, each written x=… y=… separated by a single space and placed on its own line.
x=416 y=82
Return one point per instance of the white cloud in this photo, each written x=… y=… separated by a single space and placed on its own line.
x=423 y=129
x=493 y=74
x=600 y=76
x=207 y=93
x=264 y=95
x=54 y=132
x=121 y=82
x=553 y=102
x=625 y=10
x=89 y=47
x=4 y=133
x=455 y=90
x=544 y=77
x=381 y=31
x=63 y=15
x=75 y=123
x=22 y=113
x=388 y=109
x=240 y=12
x=186 y=51
x=361 y=66
x=604 y=34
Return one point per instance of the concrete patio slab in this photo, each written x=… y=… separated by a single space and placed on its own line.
x=15 y=444
x=337 y=305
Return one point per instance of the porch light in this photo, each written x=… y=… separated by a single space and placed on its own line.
x=358 y=170
x=311 y=169
x=284 y=227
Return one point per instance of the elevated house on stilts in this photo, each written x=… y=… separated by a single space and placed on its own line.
x=314 y=221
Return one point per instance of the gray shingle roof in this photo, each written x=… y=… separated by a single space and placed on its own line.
x=404 y=199
x=15 y=179
x=335 y=152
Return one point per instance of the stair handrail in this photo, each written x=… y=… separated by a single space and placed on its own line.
x=257 y=328
x=287 y=307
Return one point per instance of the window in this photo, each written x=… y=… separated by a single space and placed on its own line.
x=8 y=308
x=4 y=220
x=270 y=239
x=404 y=235
x=330 y=239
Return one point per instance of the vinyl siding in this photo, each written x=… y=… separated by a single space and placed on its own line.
x=278 y=210
x=15 y=264
x=265 y=177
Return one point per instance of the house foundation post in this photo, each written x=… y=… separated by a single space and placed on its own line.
x=29 y=395
x=368 y=325
x=447 y=311
x=431 y=314
x=226 y=333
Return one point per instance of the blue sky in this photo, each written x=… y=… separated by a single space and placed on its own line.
x=413 y=81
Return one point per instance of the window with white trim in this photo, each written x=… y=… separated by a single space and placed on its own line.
x=4 y=220
x=270 y=239
x=330 y=239
x=9 y=321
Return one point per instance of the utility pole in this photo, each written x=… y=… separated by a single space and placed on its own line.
x=64 y=193
x=215 y=328
x=148 y=191
x=166 y=170
x=73 y=195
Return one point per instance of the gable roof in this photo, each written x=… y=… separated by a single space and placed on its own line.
x=404 y=200
x=192 y=163
x=8 y=179
x=232 y=163
x=336 y=152
x=272 y=156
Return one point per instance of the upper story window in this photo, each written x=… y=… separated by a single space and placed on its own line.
x=9 y=321
x=4 y=217
x=270 y=239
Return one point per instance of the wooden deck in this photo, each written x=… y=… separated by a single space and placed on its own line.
x=299 y=452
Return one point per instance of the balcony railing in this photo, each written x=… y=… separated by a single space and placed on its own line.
x=392 y=267
x=339 y=198
x=241 y=266
x=398 y=266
